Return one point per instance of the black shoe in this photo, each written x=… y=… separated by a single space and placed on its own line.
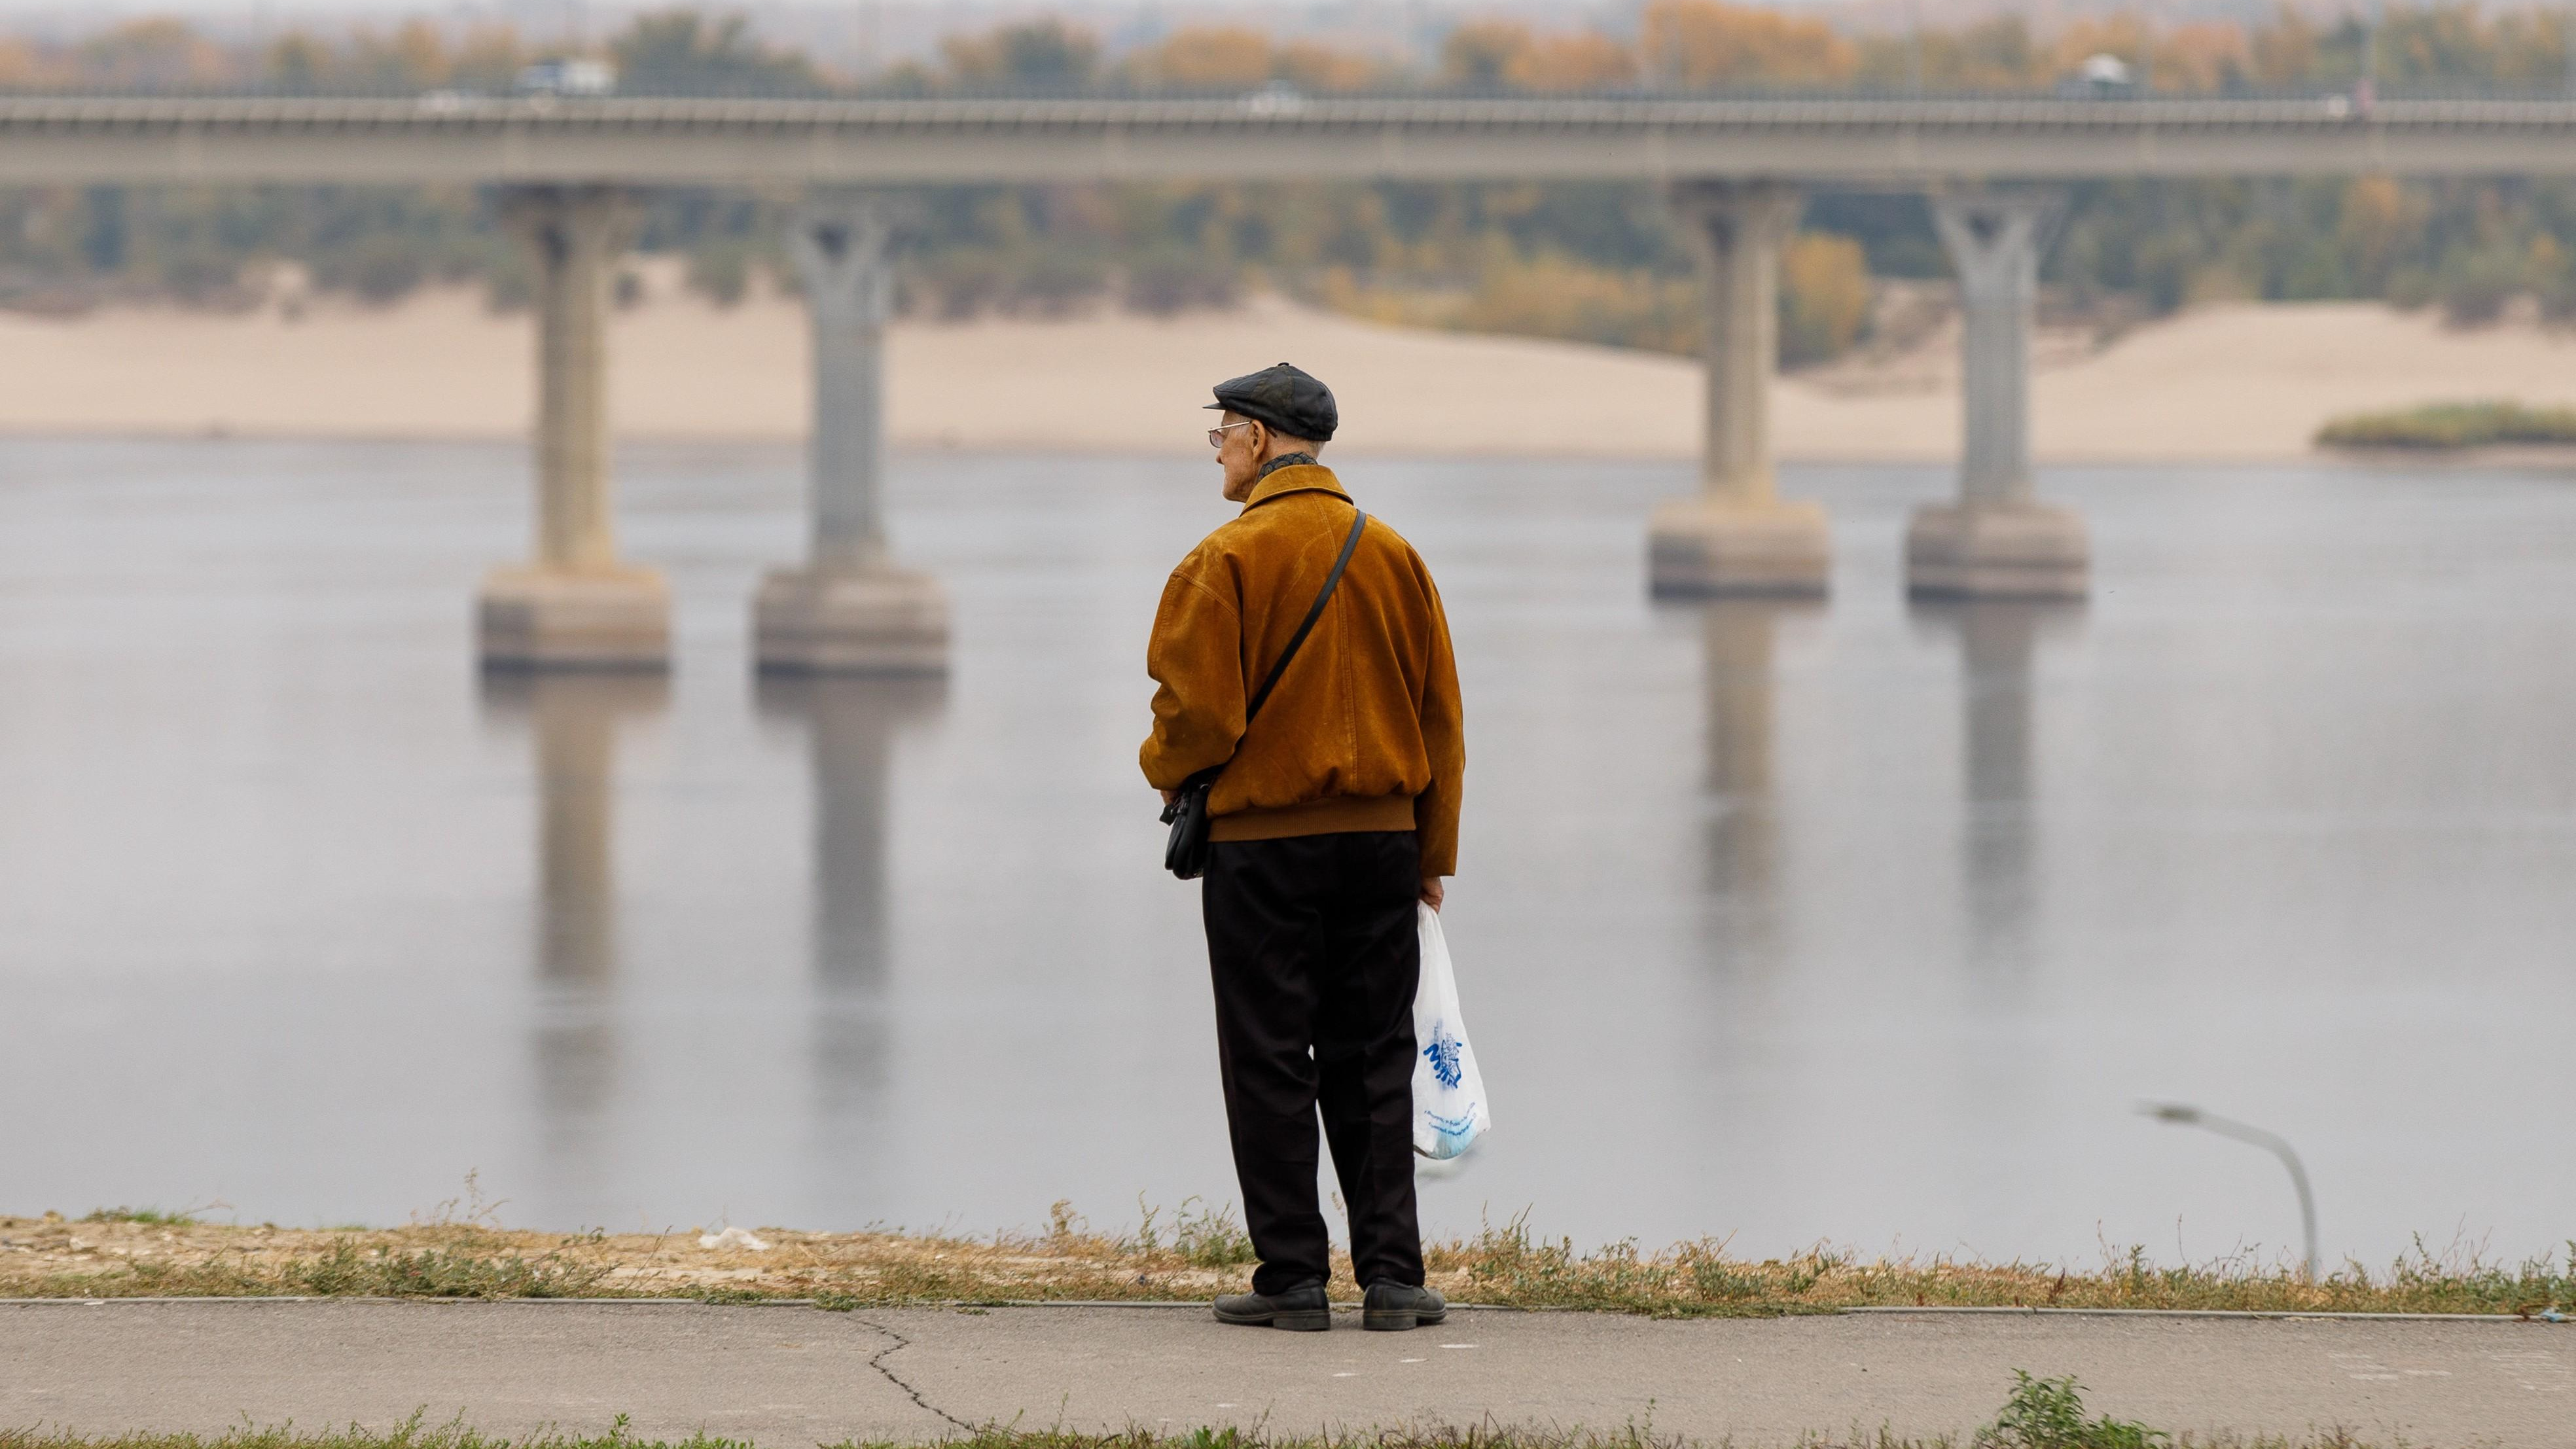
x=1395 y=1307
x=1302 y=1309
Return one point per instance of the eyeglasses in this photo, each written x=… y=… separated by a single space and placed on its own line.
x=1216 y=436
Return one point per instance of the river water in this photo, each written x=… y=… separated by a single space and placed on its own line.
x=1860 y=921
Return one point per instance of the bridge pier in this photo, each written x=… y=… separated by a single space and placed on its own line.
x=1998 y=540
x=574 y=604
x=850 y=609
x=1739 y=536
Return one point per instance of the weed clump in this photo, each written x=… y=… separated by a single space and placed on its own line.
x=2049 y=1414
x=349 y=1270
x=1507 y=1265
x=141 y=1217
x=1205 y=1238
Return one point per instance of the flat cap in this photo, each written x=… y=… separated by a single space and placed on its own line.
x=1284 y=397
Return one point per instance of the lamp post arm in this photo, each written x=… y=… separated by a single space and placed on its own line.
x=2279 y=1147
x=2271 y=1142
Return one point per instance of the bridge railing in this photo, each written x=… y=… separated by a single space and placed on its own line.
x=647 y=87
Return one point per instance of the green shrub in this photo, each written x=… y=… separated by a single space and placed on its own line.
x=1168 y=279
x=1211 y=1239
x=1559 y=297
x=2452 y=425
x=721 y=271
x=351 y=1271
x=2049 y=1414
x=1055 y=280
x=1824 y=297
x=2475 y=286
x=2410 y=288
x=381 y=268
x=962 y=281
x=144 y=1216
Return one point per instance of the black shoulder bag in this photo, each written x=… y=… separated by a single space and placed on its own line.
x=1186 y=853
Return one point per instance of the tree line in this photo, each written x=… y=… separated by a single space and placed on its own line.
x=1591 y=261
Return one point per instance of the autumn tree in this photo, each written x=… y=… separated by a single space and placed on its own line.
x=1481 y=54
x=1709 y=43
x=155 y=54
x=1314 y=67
x=2204 y=57
x=1044 y=53
x=1205 y=58
x=683 y=50
x=1586 y=61
x=1824 y=297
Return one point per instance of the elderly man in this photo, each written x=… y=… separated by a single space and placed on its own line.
x=1335 y=811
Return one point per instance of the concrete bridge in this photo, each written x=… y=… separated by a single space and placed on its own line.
x=1733 y=169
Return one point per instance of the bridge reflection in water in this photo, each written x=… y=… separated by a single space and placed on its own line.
x=850 y=724
x=1999 y=849
x=1997 y=641
x=1739 y=639
x=573 y=720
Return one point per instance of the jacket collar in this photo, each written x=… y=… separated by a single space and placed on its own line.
x=1284 y=460
x=1295 y=478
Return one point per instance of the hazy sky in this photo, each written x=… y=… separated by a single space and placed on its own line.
x=876 y=29
x=598 y=16
x=290 y=9
x=276 y=10
x=60 y=17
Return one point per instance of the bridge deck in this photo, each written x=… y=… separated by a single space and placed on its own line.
x=680 y=141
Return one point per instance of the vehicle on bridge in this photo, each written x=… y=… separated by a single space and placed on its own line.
x=2102 y=76
x=569 y=77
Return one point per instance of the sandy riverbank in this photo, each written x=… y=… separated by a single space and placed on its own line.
x=2224 y=383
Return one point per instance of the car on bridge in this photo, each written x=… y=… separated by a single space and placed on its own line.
x=2102 y=76
x=569 y=77
x=1279 y=98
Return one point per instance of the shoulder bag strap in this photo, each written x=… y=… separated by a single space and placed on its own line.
x=1332 y=581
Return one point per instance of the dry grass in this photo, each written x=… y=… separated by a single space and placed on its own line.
x=1191 y=1255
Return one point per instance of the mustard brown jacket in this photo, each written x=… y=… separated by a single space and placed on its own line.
x=1363 y=731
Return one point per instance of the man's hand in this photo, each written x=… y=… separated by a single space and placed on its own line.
x=1432 y=891
x=1171 y=795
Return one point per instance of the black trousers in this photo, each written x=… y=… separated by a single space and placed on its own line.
x=1315 y=952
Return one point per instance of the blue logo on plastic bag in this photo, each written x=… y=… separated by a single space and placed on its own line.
x=1442 y=1050
x=1453 y=1135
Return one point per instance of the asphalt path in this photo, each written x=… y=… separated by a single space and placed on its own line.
x=793 y=1376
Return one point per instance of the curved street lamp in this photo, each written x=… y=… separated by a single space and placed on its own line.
x=2184 y=1115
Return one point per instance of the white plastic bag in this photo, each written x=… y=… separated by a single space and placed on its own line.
x=1449 y=1114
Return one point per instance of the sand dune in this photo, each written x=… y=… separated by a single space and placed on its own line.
x=2238 y=382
